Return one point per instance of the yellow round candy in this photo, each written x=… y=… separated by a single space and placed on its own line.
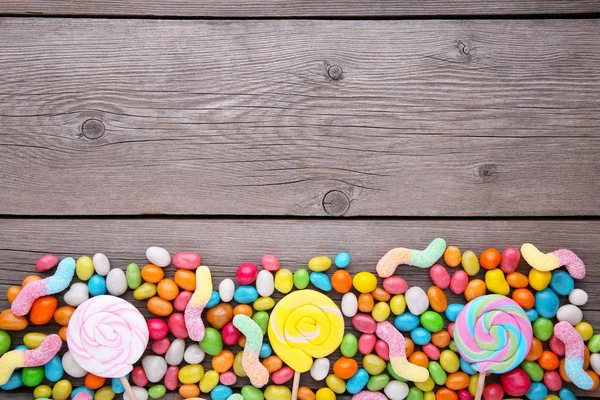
x=374 y=364
x=335 y=383
x=304 y=325
x=398 y=304
x=84 y=268
x=364 y=282
x=428 y=396
x=284 y=280
x=426 y=386
x=381 y=311
x=209 y=381
x=552 y=397
x=449 y=361
x=62 y=390
x=473 y=381
x=191 y=374
x=276 y=392
x=539 y=280
x=42 y=391
x=145 y=291
x=585 y=330
x=325 y=394
x=238 y=369
x=104 y=393
x=264 y=303
x=470 y=263
x=319 y=263
x=33 y=340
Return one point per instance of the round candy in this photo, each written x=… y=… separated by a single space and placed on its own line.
x=365 y=282
x=342 y=260
x=246 y=273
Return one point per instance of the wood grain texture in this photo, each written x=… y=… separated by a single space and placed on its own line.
x=450 y=118
x=224 y=244
x=297 y=8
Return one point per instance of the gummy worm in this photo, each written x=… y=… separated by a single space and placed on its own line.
x=574 y=353
x=44 y=287
x=553 y=260
x=258 y=374
x=29 y=358
x=82 y=396
x=199 y=300
x=417 y=258
x=389 y=334
x=368 y=395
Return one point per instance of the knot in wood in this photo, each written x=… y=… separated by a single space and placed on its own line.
x=336 y=203
x=486 y=172
x=464 y=48
x=92 y=129
x=335 y=72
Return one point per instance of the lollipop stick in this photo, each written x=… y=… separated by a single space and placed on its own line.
x=295 y=385
x=127 y=387
x=480 y=386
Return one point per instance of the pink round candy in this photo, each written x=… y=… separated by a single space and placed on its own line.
x=510 y=260
x=138 y=376
x=557 y=346
x=282 y=375
x=553 y=380
x=458 y=282
x=246 y=273
x=366 y=343
x=493 y=391
x=364 y=323
x=176 y=323
x=395 y=285
x=161 y=346
x=187 y=260
x=171 y=380
x=451 y=329
x=515 y=383
x=431 y=351
x=182 y=300
x=230 y=334
x=383 y=350
x=270 y=262
x=440 y=276
x=228 y=378
x=157 y=328
x=464 y=394
x=46 y=262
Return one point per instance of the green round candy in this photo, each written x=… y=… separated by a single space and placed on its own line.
x=393 y=374
x=4 y=342
x=377 y=382
x=134 y=276
x=301 y=279
x=437 y=372
x=212 y=343
x=432 y=321
x=543 y=328
x=593 y=344
x=349 y=345
x=249 y=392
x=157 y=391
x=262 y=319
x=414 y=393
x=32 y=376
x=452 y=346
x=533 y=370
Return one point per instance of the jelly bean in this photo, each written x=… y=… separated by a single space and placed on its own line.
x=94 y=382
x=221 y=392
x=185 y=279
x=171 y=379
x=174 y=355
x=193 y=354
x=566 y=394
x=398 y=304
x=209 y=381
x=161 y=346
x=365 y=302
x=533 y=370
x=561 y=282
x=475 y=288
x=552 y=380
x=382 y=349
x=414 y=393
x=5 y=342
x=191 y=373
x=364 y=282
x=15 y=381
x=116 y=282
x=419 y=358
x=227 y=378
x=426 y=386
x=33 y=340
x=537 y=391
x=272 y=363
x=437 y=373
x=570 y=313
x=133 y=275
x=459 y=281
x=284 y=281
x=593 y=344
x=270 y=262
x=220 y=315
x=155 y=368
x=32 y=376
x=453 y=310
x=517 y=280
x=539 y=280
x=470 y=263
x=245 y=294
x=452 y=256
x=490 y=258
x=437 y=299
x=381 y=311
x=543 y=328
x=325 y=394
x=246 y=273
x=395 y=285
x=145 y=291
x=366 y=343
x=222 y=361
x=42 y=310
x=301 y=279
x=319 y=263
x=105 y=393
x=84 y=268
x=536 y=350
x=378 y=382
x=97 y=285
x=273 y=392
x=578 y=297
x=230 y=334
x=158 y=256
x=214 y=300
x=12 y=293
x=510 y=260
x=515 y=383
x=373 y=364
x=62 y=390
x=226 y=290
x=282 y=375
x=42 y=391
x=349 y=345
x=249 y=392
x=493 y=391
x=406 y=322
x=342 y=260
x=432 y=321
x=467 y=367
x=416 y=300
x=449 y=361
x=345 y=367
x=45 y=263
x=439 y=276
x=341 y=281
x=396 y=390
x=585 y=330
x=71 y=367
x=496 y=282
x=157 y=391
x=321 y=281
x=357 y=382
x=380 y=294
x=349 y=304
x=189 y=391
x=212 y=343
x=53 y=370
x=187 y=260
x=457 y=381
x=265 y=350
x=441 y=339
x=531 y=314
x=167 y=289
x=138 y=377
x=319 y=369
x=176 y=323
x=464 y=395
x=420 y=336
x=546 y=303
x=364 y=323
x=262 y=319
x=524 y=298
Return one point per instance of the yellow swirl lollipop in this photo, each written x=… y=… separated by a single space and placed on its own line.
x=304 y=325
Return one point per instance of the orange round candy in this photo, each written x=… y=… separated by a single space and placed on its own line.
x=272 y=364
x=419 y=358
x=446 y=394
x=167 y=289
x=452 y=256
x=595 y=378
x=380 y=294
x=441 y=339
x=586 y=357
x=536 y=350
x=160 y=307
x=341 y=281
x=489 y=258
x=305 y=393
x=30 y=278
x=222 y=361
x=12 y=293
x=10 y=322
x=562 y=371
x=345 y=367
x=185 y=279
x=409 y=346
x=437 y=299
x=63 y=314
x=62 y=332
x=152 y=274
x=189 y=390
x=457 y=380
x=365 y=302
x=517 y=280
x=242 y=341
x=94 y=382
x=42 y=310
x=548 y=360
x=524 y=298
x=243 y=309
x=475 y=288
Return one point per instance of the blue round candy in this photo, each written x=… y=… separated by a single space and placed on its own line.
x=532 y=314
x=265 y=350
x=406 y=322
x=53 y=370
x=358 y=381
x=562 y=283
x=21 y=347
x=214 y=299
x=420 y=336
x=467 y=367
x=221 y=392
x=320 y=281
x=453 y=310
x=97 y=285
x=80 y=389
x=342 y=260
x=245 y=294
x=566 y=394
x=117 y=386
x=537 y=391
x=546 y=303
x=15 y=381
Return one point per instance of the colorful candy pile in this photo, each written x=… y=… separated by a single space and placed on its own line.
x=513 y=325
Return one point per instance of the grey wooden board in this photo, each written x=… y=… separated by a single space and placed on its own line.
x=430 y=117
x=297 y=8
x=224 y=244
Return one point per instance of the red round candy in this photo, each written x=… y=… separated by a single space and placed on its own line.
x=270 y=262
x=138 y=376
x=187 y=260
x=383 y=350
x=431 y=351
x=510 y=260
x=516 y=382
x=395 y=285
x=364 y=323
x=230 y=334
x=557 y=346
x=176 y=323
x=171 y=379
x=182 y=300
x=157 y=328
x=553 y=381
x=464 y=395
x=493 y=391
x=439 y=276
x=161 y=346
x=282 y=375
x=46 y=262
x=246 y=273
x=366 y=343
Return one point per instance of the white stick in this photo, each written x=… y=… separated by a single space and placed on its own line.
x=295 y=385
x=128 y=389
x=480 y=386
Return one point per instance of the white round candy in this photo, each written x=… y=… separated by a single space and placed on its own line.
x=349 y=305
x=116 y=282
x=158 y=256
x=265 y=283
x=396 y=390
x=139 y=392
x=595 y=362
x=155 y=368
x=226 y=290
x=71 y=367
x=77 y=294
x=578 y=297
x=193 y=354
x=101 y=264
x=570 y=313
x=416 y=300
x=320 y=369
x=174 y=355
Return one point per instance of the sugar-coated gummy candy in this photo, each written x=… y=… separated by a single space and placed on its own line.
x=133 y=275
x=342 y=260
